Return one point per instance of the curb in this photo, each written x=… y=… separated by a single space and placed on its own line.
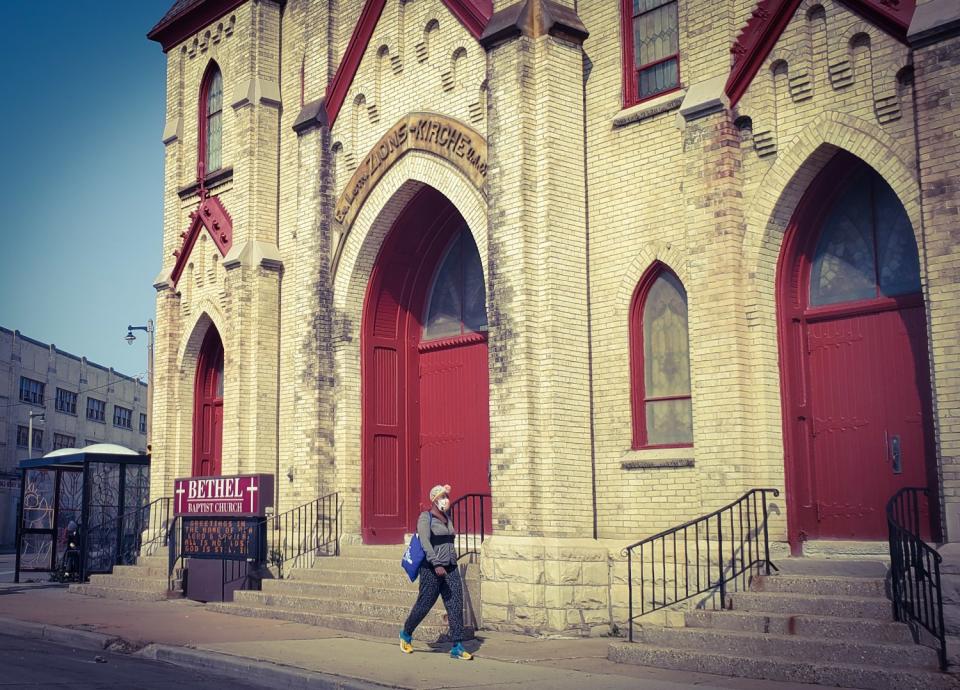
x=252 y=671
x=81 y=639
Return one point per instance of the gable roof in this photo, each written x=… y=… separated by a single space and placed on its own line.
x=770 y=17
x=473 y=14
x=186 y=17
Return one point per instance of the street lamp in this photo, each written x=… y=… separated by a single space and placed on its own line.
x=40 y=417
x=130 y=337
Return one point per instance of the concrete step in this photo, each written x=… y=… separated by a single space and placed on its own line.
x=389 y=552
x=856 y=567
x=331 y=590
x=356 y=624
x=109 y=592
x=741 y=643
x=828 y=548
x=354 y=563
x=396 y=612
x=161 y=560
x=843 y=607
x=830 y=627
x=147 y=571
x=781 y=669
x=126 y=582
x=820 y=584
x=390 y=579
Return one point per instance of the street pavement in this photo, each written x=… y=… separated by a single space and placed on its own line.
x=33 y=663
x=273 y=653
x=7 y=563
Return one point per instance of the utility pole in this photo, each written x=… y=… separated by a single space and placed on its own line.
x=40 y=416
x=130 y=337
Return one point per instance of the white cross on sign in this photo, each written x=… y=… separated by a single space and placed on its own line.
x=180 y=492
x=251 y=489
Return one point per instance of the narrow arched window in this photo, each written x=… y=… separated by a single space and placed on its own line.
x=660 y=362
x=457 y=302
x=211 y=123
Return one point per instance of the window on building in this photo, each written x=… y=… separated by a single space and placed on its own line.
x=23 y=434
x=211 y=112
x=96 y=410
x=66 y=401
x=651 y=48
x=64 y=441
x=31 y=391
x=143 y=423
x=122 y=417
x=660 y=362
x=457 y=303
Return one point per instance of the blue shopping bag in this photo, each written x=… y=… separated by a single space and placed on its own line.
x=413 y=556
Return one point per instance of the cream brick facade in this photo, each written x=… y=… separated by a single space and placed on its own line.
x=582 y=197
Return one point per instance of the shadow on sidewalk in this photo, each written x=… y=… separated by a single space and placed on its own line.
x=27 y=587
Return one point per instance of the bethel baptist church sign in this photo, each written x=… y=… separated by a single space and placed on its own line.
x=239 y=495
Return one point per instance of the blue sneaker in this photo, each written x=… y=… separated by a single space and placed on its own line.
x=458 y=652
x=406 y=643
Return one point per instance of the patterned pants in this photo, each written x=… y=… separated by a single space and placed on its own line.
x=431 y=587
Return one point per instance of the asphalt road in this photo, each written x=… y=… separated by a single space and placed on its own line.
x=29 y=663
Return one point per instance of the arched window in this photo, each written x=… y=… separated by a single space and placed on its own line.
x=457 y=302
x=660 y=362
x=866 y=249
x=211 y=113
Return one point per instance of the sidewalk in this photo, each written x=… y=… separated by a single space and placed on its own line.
x=280 y=653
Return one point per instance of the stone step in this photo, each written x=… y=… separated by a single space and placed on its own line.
x=126 y=582
x=123 y=594
x=740 y=643
x=829 y=548
x=336 y=590
x=355 y=624
x=831 y=627
x=856 y=567
x=160 y=560
x=393 y=578
x=843 y=607
x=820 y=584
x=780 y=669
x=390 y=552
x=354 y=563
x=396 y=612
x=147 y=571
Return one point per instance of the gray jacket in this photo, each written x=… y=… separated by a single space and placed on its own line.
x=437 y=539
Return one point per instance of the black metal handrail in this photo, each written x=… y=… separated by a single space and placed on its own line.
x=470 y=513
x=303 y=533
x=123 y=535
x=915 y=569
x=726 y=544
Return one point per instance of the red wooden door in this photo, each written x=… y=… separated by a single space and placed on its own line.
x=208 y=408
x=425 y=390
x=856 y=373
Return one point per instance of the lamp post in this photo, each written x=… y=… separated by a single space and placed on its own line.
x=40 y=417
x=130 y=337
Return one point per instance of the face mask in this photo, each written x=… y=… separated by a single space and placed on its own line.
x=443 y=504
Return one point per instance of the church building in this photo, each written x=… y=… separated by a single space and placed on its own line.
x=609 y=264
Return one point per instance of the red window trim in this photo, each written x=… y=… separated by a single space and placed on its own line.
x=202 y=124
x=630 y=71
x=638 y=399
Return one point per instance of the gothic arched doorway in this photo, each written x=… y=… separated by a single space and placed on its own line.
x=208 y=407
x=854 y=362
x=425 y=395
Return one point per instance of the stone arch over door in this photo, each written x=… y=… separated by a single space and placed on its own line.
x=364 y=239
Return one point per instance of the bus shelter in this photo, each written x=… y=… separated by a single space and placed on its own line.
x=102 y=488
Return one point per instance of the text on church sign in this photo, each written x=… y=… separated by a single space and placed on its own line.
x=245 y=495
x=443 y=136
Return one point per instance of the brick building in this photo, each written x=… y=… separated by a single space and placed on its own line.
x=83 y=403
x=613 y=263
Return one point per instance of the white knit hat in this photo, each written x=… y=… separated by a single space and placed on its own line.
x=437 y=490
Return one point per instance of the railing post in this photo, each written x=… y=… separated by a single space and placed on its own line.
x=723 y=584
x=630 y=593
x=766 y=533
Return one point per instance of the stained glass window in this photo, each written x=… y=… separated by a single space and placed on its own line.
x=664 y=399
x=866 y=248
x=214 y=112
x=457 y=302
x=654 y=25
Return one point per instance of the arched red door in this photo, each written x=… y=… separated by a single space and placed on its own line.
x=424 y=369
x=856 y=379
x=208 y=407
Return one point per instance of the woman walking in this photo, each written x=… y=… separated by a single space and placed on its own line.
x=438 y=573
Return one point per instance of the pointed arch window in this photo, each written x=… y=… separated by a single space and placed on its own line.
x=457 y=302
x=866 y=249
x=660 y=362
x=211 y=120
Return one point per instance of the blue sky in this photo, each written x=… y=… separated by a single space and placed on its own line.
x=81 y=180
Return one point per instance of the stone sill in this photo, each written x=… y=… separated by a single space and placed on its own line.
x=217 y=177
x=655 y=106
x=657 y=459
